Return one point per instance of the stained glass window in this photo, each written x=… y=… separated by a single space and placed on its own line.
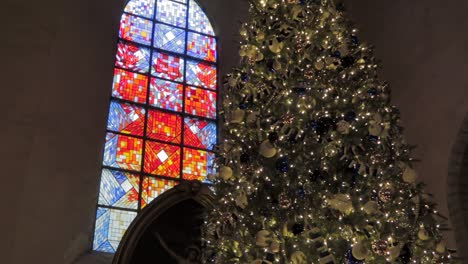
x=161 y=127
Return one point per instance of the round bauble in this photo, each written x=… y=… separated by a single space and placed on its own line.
x=375 y=129
x=380 y=247
x=441 y=247
x=360 y=252
x=423 y=234
x=319 y=65
x=409 y=175
x=225 y=173
x=371 y=207
x=343 y=127
x=386 y=194
x=237 y=116
x=267 y=149
x=252 y=117
x=298 y=228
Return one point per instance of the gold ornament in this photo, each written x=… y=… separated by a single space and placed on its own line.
x=274 y=247
x=440 y=247
x=275 y=46
x=360 y=251
x=263 y=238
x=237 y=116
x=380 y=247
x=241 y=200
x=394 y=252
x=371 y=207
x=319 y=65
x=298 y=257
x=409 y=175
x=342 y=203
x=423 y=234
x=267 y=150
x=225 y=173
x=260 y=36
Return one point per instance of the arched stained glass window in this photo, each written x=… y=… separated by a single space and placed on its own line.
x=162 y=118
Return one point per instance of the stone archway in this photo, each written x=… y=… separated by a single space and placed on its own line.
x=458 y=189
x=170 y=227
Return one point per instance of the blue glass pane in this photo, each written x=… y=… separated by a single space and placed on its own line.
x=111 y=225
x=201 y=46
x=126 y=118
x=119 y=189
x=143 y=8
x=198 y=20
x=135 y=29
x=169 y=38
x=171 y=13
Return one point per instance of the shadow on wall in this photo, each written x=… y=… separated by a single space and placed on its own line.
x=458 y=189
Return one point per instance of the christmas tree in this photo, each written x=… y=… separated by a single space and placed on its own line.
x=313 y=164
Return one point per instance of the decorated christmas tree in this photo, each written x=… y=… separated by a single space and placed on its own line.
x=313 y=167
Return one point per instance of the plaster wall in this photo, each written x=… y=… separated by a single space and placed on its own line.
x=56 y=71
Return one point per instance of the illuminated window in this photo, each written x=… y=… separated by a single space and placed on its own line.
x=162 y=125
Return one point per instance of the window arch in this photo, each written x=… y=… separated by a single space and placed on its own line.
x=162 y=123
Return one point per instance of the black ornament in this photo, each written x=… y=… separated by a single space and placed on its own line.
x=270 y=64
x=298 y=228
x=347 y=61
x=340 y=7
x=245 y=158
x=282 y=164
x=301 y=192
x=405 y=255
x=323 y=125
x=350 y=259
x=372 y=92
x=243 y=106
x=300 y=90
x=354 y=40
x=270 y=257
x=273 y=136
x=315 y=175
x=373 y=139
x=350 y=116
x=336 y=54
x=245 y=77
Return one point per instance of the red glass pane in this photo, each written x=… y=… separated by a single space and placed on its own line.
x=164 y=126
x=123 y=152
x=197 y=164
x=129 y=86
x=201 y=74
x=152 y=188
x=200 y=102
x=162 y=159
